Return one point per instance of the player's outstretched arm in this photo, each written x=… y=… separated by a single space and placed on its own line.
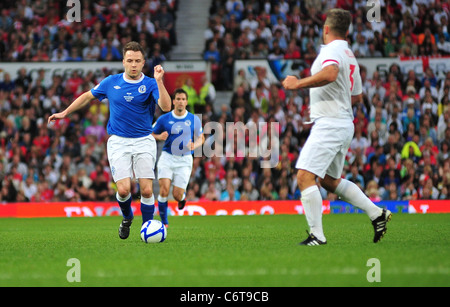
x=327 y=75
x=77 y=104
x=164 y=102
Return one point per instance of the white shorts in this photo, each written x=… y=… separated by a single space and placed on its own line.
x=176 y=168
x=326 y=147
x=132 y=156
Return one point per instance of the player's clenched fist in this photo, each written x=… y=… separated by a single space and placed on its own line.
x=290 y=83
x=158 y=72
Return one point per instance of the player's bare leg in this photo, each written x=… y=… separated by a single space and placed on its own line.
x=124 y=199
x=147 y=199
x=164 y=189
x=180 y=196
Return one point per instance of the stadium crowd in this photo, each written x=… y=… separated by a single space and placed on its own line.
x=402 y=128
x=39 y=31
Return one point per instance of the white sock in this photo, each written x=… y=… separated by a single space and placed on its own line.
x=123 y=199
x=312 y=204
x=162 y=199
x=351 y=193
x=148 y=201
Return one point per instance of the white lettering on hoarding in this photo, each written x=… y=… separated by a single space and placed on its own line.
x=267 y=209
x=85 y=211
x=424 y=208
x=80 y=211
x=193 y=209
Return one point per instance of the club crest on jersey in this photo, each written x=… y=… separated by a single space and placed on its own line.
x=187 y=123
x=142 y=89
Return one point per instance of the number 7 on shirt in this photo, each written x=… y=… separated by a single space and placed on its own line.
x=352 y=81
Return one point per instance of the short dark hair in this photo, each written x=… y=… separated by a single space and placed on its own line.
x=133 y=46
x=180 y=91
x=339 y=21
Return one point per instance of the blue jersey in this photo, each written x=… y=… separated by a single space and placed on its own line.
x=131 y=104
x=181 y=129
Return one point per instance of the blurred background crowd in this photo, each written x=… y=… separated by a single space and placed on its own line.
x=400 y=150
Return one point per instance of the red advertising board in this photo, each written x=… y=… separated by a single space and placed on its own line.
x=91 y=209
x=429 y=206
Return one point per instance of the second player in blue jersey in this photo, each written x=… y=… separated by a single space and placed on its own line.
x=182 y=133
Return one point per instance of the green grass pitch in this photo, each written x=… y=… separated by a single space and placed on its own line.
x=226 y=251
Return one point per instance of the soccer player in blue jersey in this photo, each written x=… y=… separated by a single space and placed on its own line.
x=131 y=147
x=182 y=132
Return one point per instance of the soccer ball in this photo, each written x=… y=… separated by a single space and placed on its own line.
x=153 y=231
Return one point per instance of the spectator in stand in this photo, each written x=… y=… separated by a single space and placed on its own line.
x=73 y=82
x=428 y=89
x=96 y=128
x=360 y=47
x=109 y=52
x=410 y=116
x=60 y=54
x=91 y=52
x=293 y=50
x=276 y=53
x=212 y=193
x=7 y=84
x=248 y=190
x=191 y=196
x=165 y=20
x=156 y=58
x=188 y=87
x=212 y=54
x=373 y=191
x=230 y=193
x=259 y=99
x=354 y=175
x=443 y=45
x=249 y=22
x=279 y=38
x=411 y=149
x=276 y=14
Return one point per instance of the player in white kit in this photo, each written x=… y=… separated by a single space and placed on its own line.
x=335 y=82
x=131 y=148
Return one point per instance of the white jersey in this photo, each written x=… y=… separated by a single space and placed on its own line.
x=334 y=99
